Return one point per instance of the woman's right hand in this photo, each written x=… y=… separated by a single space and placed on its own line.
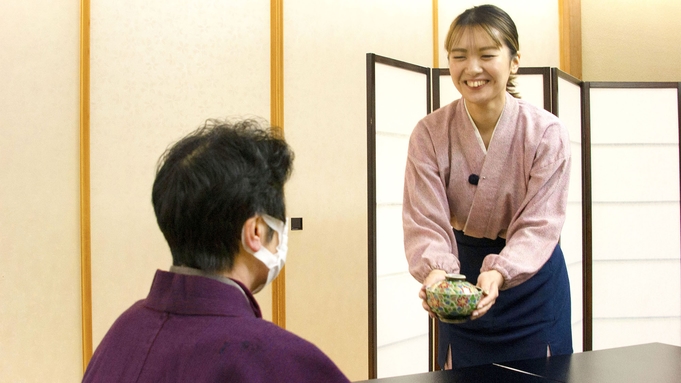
x=432 y=278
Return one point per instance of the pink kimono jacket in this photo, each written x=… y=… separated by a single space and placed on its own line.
x=521 y=195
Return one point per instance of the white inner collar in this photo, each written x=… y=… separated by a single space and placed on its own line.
x=477 y=132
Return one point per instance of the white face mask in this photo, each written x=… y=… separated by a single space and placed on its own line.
x=274 y=262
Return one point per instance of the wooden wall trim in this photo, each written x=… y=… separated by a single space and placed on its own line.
x=436 y=35
x=570 y=25
x=85 y=234
x=277 y=119
x=435 y=79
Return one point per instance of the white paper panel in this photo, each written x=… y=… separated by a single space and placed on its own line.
x=575 y=275
x=391 y=159
x=577 y=336
x=571 y=236
x=401 y=99
x=390 y=258
x=635 y=173
x=448 y=91
x=399 y=312
x=570 y=109
x=609 y=333
x=403 y=358
x=636 y=231
x=531 y=88
x=634 y=115
x=635 y=190
x=636 y=289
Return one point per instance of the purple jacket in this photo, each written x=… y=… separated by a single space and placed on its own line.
x=197 y=329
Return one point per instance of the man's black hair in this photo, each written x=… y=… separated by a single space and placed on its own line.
x=210 y=182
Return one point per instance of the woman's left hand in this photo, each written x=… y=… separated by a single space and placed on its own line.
x=489 y=282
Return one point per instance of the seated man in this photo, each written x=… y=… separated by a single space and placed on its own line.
x=219 y=201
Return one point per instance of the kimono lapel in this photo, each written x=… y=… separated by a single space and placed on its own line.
x=468 y=142
x=492 y=173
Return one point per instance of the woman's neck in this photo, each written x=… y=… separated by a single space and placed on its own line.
x=485 y=118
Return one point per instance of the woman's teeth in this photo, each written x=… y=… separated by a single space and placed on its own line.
x=475 y=84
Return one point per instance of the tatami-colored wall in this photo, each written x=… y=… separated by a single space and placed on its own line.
x=536 y=20
x=158 y=69
x=39 y=220
x=628 y=40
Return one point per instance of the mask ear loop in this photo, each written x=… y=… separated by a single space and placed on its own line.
x=278 y=225
x=281 y=227
x=275 y=262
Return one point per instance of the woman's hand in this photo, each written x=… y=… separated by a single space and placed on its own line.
x=489 y=282
x=434 y=277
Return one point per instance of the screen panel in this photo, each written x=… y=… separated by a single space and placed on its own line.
x=531 y=83
x=400 y=99
x=531 y=88
x=568 y=107
x=636 y=233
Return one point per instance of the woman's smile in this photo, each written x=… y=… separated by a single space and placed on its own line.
x=480 y=68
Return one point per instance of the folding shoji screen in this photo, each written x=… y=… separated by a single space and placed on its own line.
x=402 y=337
x=622 y=235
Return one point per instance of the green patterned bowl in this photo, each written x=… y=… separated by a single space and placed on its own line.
x=453 y=300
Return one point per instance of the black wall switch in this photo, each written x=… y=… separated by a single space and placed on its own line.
x=297 y=223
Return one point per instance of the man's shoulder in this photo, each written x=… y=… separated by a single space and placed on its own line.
x=276 y=349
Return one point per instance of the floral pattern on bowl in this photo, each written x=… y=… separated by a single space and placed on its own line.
x=453 y=299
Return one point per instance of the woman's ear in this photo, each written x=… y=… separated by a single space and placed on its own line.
x=253 y=234
x=515 y=63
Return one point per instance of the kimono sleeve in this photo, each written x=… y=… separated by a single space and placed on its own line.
x=535 y=228
x=429 y=241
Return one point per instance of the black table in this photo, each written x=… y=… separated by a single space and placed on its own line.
x=653 y=362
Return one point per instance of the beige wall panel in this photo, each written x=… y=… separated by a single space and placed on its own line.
x=159 y=69
x=536 y=20
x=325 y=87
x=626 y=40
x=40 y=329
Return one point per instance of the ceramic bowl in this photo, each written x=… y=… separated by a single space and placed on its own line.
x=453 y=300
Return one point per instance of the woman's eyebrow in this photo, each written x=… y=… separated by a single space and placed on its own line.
x=463 y=50
x=492 y=47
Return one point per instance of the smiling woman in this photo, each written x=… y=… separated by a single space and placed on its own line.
x=482 y=61
x=502 y=230
x=481 y=69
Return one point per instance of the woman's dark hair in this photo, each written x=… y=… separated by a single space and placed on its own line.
x=211 y=181
x=492 y=20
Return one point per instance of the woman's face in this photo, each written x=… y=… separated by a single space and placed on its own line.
x=480 y=69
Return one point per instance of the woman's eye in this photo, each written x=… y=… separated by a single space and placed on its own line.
x=488 y=56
